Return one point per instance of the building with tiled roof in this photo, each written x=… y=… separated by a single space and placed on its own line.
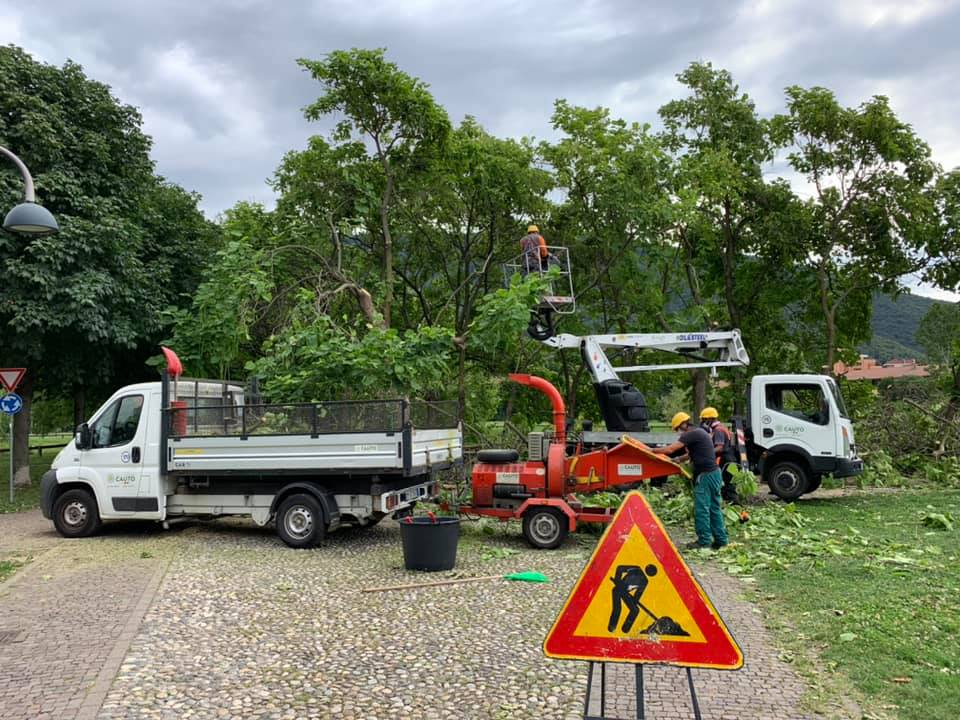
x=869 y=369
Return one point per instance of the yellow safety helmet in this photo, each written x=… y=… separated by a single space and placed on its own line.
x=709 y=413
x=532 y=228
x=679 y=419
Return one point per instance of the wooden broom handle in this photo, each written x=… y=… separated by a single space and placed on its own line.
x=410 y=586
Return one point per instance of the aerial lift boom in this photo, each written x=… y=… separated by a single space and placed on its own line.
x=540 y=490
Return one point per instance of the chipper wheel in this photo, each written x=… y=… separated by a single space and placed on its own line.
x=544 y=527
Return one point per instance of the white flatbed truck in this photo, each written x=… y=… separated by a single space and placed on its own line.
x=163 y=450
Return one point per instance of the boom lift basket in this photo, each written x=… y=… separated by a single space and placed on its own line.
x=559 y=299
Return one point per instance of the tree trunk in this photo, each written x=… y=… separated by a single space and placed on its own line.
x=387 y=245
x=699 y=391
x=21 y=434
x=829 y=319
x=729 y=257
x=79 y=405
x=462 y=381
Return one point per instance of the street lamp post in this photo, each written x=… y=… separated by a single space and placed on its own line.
x=32 y=220
x=28 y=218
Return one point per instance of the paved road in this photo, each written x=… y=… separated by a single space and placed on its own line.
x=75 y=609
x=223 y=621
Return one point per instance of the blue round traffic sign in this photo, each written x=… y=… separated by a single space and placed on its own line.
x=11 y=404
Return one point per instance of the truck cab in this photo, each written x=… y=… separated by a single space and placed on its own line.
x=798 y=431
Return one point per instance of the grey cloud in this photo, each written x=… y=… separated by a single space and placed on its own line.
x=225 y=109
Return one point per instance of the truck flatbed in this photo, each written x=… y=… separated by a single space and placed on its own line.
x=404 y=452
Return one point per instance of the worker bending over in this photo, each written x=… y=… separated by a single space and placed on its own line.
x=724 y=447
x=534 y=249
x=707 y=481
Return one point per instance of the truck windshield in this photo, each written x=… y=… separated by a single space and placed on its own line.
x=838 y=398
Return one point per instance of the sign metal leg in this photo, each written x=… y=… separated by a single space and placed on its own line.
x=603 y=689
x=10 y=417
x=586 y=700
x=638 y=674
x=693 y=696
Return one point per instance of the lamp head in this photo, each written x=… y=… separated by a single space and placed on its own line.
x=28 y=218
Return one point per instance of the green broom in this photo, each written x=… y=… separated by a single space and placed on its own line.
x=534 y=577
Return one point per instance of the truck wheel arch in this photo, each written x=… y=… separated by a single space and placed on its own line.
x=787 y=454
x=59 y=489
x=326 y=500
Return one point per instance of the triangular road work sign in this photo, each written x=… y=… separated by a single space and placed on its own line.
x=638 y=602
x=11 y=377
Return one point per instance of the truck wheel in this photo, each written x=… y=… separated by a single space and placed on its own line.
x=815 y=483
x=788 y=480
x=75 y=514
x=300 y=522
x=545 y=527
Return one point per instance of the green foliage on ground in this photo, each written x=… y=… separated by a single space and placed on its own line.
x=871 y=582
x=900 y=428
x=8 y=568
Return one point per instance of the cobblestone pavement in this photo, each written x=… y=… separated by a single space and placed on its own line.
x=246 y=628
x=763 y=689
x=221 y=620
x=74 y=612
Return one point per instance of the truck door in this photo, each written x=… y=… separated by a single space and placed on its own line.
x=116 y=457
x=797 y=413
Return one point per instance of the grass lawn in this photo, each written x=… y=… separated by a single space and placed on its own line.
x=876 y=593
x=60 y=439
x=24 y=498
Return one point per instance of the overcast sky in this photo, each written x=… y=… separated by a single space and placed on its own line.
x=221 y=94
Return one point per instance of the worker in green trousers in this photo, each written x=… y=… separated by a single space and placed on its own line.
x=707 y=481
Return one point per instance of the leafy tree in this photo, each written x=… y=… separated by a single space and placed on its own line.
x=467 y=212
x=870 y=213
x=939 y=333
x=615 y=203
x=322 y=203
x=730 y=226
x=392 y=111
x=943 y=245
x=76 y=305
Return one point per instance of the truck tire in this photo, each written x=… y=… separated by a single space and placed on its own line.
x=788 y=480
x=300 y=521
x=815 y=483
x=544 y=528
x=75 y=514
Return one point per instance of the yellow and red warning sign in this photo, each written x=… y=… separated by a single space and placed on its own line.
x=638 y=602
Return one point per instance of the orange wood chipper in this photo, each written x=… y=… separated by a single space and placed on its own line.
x=540 y=490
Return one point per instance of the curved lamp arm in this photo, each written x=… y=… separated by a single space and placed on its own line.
x=28 y=194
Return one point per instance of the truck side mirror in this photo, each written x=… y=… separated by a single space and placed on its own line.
x=84 y=438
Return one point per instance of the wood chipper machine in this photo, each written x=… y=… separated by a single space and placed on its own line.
x=539 y=491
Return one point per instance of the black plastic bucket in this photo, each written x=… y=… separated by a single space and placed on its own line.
x=430 y=544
